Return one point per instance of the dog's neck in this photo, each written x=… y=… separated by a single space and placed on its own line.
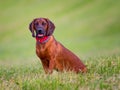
x=42 y=40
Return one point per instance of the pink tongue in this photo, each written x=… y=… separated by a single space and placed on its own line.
x=40 y=35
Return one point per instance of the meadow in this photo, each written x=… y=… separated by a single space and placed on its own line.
x=89 y=28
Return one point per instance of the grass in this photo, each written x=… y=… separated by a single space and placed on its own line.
x=104 y=75
x=88 y=28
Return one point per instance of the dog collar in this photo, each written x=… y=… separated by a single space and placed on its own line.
x=43 y=39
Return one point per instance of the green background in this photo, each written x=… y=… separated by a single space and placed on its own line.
x=89 y=28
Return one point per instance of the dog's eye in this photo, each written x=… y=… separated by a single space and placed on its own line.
x=43 y=23
x=36 y=23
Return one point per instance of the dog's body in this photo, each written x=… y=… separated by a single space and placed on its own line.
x=53 y=54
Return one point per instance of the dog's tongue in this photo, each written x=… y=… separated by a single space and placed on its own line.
x=40 y=35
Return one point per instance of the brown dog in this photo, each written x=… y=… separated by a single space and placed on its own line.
x=53 y=54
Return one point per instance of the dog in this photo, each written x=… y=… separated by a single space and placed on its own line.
x=53 y=55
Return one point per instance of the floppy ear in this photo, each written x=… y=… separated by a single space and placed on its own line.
x=51 y=27
x=31 y=27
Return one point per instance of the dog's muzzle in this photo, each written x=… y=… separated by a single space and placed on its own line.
x=40 y=32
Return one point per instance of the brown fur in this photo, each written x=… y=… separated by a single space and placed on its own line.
x=54 y=55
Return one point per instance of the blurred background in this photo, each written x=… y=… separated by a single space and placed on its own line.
x=89 y=28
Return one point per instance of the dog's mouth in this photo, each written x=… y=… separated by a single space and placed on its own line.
x=40 y=35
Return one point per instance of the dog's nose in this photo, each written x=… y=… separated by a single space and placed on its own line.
x=40 y=30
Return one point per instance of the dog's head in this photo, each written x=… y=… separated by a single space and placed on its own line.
x=41 y=27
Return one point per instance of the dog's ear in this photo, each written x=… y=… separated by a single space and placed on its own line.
x=31 y=28
x=51 y=27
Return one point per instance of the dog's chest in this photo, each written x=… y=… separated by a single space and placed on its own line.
x=42 y=52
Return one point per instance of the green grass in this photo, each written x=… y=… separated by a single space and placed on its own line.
x=103 y=73
x=89 y=28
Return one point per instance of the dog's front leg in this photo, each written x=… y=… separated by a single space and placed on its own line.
x=45 y=64
x=51 y=66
